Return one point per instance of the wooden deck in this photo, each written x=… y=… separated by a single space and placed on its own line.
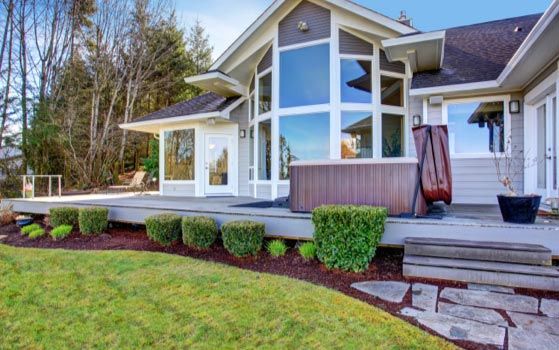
x=479 y=223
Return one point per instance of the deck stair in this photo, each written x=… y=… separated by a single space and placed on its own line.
x=498 y=263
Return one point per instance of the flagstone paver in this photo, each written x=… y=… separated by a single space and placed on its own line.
x=491 y=300
x=550 y=307
x=460 y=329
x=521 y=339
x=424 y=296
x=410 y=312
x=490 y=288
x=473 y=313
x=391 y=291
x=535 y=323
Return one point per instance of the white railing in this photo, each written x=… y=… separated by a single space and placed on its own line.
x=30 y=185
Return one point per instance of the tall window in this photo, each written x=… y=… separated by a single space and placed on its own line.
x=303 y=137
x=476 y=127
x=179 y=155
x=357 y=135
x=392 y=91
x=305 y=76
x=265 y=93
x=355 y=81
x=392 y=135
x=265 y=150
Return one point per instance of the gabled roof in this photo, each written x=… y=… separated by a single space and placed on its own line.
x=206 y=103
x=478 y=52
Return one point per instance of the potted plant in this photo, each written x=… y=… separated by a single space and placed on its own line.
x=515 y=208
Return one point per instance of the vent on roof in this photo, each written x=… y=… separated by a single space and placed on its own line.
x=517 y=29
x=404 y=18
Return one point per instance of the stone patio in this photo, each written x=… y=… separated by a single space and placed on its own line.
x=476 y=314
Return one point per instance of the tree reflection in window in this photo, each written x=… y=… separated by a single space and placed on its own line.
x=179 y=155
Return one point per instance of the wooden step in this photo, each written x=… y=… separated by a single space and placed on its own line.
x=483 y=272
x=531 y=254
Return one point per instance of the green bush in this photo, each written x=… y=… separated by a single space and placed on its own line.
x=308 y=250
x=276 y=248
x=164 y=228
x=93 y=220
x=36 y=233
x=346 y=236
x=242 y=238
x=61 y=232
x=64 y=216
x=25 y=230
x=199 y=231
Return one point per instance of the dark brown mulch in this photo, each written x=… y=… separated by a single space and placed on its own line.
x=387 y=264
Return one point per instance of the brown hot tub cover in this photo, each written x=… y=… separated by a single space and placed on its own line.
x=436 y=179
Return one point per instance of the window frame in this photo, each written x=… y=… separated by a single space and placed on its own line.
x=162 y=159
x=505 y=99
x=256 y=111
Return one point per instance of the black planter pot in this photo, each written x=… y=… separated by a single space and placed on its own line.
x=519 y=209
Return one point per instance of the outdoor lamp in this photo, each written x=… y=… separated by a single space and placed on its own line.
x=417 y=120
x=514 y=106
x=243 y=133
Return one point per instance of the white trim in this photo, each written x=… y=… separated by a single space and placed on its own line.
x=348 y=56
x=357 y=107
x=304 y=45
x=445 y=89
x=393 y=74
x=377 y=111
x=414 y=39
x=494 y=98
x=539 y=91
x=276 y=81
x=264 y=72
x=163 y=121
x=526 y=46
x=310 y=109
x=425 y=110
x=211 y=75
x=162 y=131
x=232 y=164
x=335 y=91
x=393 y=160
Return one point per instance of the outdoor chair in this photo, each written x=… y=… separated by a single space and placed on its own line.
x=136 y=184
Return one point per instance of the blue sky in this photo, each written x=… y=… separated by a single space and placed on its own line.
x=225 y=22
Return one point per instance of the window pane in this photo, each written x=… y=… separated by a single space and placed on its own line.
x=392 y=135
x=303 y=137
x=476 y=127
x=265 y=94
x=265 y=150
x=251 y=107
x=392 y=91
x=357 y=135
x=356 y=81
x=305 y=76
x=179 y=155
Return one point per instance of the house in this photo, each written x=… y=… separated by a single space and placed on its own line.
x=332 y=80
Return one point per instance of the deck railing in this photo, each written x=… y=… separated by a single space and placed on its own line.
x=29 y=184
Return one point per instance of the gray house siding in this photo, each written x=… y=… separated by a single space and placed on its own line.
x=264 y=191
x=541 y=77
x=266 y=61
x=474 y=179
x=178 y=190
x=352 y=45
x=396 y=67
x=317 y=18
x=240 y=116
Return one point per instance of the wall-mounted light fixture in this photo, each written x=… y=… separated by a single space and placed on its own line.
x=303 y=26
x=210 y=121
x=514 y=106
x=417 y=120
x=242 y=133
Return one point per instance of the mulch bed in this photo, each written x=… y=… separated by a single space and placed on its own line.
x=387 y=264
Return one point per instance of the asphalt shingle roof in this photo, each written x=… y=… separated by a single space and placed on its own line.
x=206 y=103
x=477 y=52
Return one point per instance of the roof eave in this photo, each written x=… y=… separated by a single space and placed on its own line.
x=217 y=82
x=423 y=51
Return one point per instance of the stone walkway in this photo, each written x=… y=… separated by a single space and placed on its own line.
x=476 y=314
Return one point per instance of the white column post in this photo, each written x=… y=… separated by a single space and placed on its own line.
x=556 y=190
x=377 y=112
x=50 y=186
x=275 y=116
x=33 y=188
x=335 y=98
x=23 y=188
x=59 y=185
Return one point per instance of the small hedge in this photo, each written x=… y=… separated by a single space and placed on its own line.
x=37 y=233
x=276 y=248
x=199 y=231
x=346 y=237
x=93 y=220
x=164 y=228
x=64 y=216
x=61 y=232
x=242 y=238
x=308 y=251
x=25 y=230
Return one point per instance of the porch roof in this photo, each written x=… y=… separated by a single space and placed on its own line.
x=208 y=105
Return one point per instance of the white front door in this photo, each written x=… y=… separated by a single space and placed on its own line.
x=218 y=164
x=547 y=147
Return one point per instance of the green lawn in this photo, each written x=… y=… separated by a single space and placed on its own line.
x=53 y=299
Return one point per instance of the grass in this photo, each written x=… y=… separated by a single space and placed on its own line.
x=54 y=299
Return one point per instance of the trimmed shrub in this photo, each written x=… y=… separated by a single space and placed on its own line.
x=61 y=232
x=164 y=228
x=308 y=251
x=199 y=231
x=346 y=237
x=64 y=216
x=242 y=238
x=93 y=220
x=276 y=248
x=25 y=230
x=37 y=233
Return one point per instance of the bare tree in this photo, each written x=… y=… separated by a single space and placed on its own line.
x=7 y=40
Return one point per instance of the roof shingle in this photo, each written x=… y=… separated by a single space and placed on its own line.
x=206 y=103
x=477 y=52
